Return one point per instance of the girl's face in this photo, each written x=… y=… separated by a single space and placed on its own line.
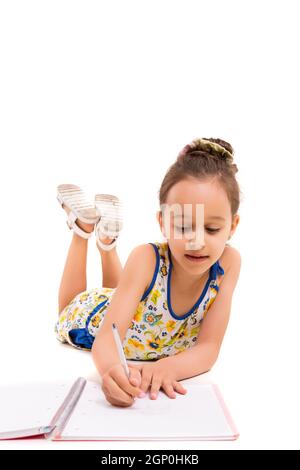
x=196 y=219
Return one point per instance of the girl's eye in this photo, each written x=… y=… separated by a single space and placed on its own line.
x=188 y=229
x=185 y=229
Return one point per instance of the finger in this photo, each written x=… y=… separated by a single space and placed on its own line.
x=135 y=367
x=135 y=377
x=146 y=380
x=155 y=386
x=169 y=390
x=115 y=395
x=119 y=376
x=179 y=388
x=119 y=403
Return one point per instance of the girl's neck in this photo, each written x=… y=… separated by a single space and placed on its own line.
x=182 y=280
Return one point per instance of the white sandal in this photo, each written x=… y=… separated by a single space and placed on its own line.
x=80 y=207
x=110 y=224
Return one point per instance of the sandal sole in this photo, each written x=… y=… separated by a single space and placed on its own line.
x=75 y=199
x=111 y=219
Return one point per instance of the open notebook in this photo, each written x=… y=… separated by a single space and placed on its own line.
x=79 y=411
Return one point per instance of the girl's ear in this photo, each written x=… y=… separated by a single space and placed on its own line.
x=159 y=218
x=160 y=221
x=234 y=225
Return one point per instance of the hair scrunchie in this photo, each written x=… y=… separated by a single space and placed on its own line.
x=207 y=145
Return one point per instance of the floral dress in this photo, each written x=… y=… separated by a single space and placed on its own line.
x=155 y=330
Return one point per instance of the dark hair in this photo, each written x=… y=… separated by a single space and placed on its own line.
x=201 y=159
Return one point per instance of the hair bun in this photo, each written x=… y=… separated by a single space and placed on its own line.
x=217 y=147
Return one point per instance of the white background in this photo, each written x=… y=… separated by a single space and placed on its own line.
x=105 y=95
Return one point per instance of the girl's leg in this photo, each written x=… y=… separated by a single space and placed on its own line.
x=74 y=275
x=111 y=265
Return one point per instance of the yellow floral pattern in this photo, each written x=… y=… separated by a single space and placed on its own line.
x=154 y=332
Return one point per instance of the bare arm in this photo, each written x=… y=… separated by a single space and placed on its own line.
x=201 y=357
x=131 y=287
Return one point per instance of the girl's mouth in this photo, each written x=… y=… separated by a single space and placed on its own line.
x=196 y=259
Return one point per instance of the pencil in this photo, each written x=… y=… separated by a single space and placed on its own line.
x=120 y=348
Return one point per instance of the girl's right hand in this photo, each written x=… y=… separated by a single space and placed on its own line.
x=117 y=388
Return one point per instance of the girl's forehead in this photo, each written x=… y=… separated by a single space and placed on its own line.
x=193 y=192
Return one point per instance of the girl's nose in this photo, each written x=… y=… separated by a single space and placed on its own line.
x=194 y=245
x=196 y=241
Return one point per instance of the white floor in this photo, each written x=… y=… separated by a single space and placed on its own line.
x=56 y=361
x=265 y=415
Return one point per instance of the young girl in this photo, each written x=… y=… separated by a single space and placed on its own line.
x=171 y=302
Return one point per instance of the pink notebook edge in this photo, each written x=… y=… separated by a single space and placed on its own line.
x=228 y=416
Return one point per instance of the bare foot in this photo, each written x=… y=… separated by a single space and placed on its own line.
x=88 y=228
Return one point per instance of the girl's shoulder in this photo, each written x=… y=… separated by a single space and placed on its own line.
x=230 y=257
x=149 y=258
x=154 y=253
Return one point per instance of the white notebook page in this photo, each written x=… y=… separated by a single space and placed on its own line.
x=30 y=405
x=196 y=415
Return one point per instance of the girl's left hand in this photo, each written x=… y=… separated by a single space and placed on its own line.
x=159 y=375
